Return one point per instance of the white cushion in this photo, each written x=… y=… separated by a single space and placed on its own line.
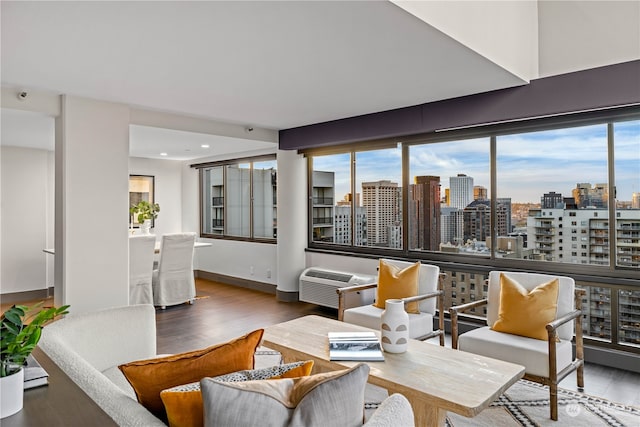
x=529 y=352
x=369 y=317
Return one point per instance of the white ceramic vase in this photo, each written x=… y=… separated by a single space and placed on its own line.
x=394 y=327
x=11 y=394
x=145 y=227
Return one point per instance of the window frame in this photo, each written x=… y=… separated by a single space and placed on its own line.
x=223 y=163
x=611 y=273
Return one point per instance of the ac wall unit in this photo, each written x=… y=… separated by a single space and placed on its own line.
x=318 y=286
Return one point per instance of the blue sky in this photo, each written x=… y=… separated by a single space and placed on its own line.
x=528 y=164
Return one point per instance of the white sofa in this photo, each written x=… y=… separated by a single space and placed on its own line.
x=89 y=347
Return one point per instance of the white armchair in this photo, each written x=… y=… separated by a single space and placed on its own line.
x=141 y=253
x=430 y=297
x=173 y=281
x=545 y=361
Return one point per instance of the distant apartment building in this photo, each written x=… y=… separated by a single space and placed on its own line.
x=342 y=225
x=460 y=191
x=323 y=200
x=552 y=200
x=477 y=220
x=581 y=236
x=451 y=225
x=635 y=200
x=382 y=202
x=587 y=196
x=425 y=219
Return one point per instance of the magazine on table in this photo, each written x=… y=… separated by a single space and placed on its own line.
x=360 y=346
x=34 y=374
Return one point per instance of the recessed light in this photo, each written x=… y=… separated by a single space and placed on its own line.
x=205 y=146
x=163 y=154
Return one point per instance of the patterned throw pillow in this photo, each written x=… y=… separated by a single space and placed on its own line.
x=184 y=402
x=327 y=399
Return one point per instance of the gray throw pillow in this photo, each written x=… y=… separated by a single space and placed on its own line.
x=332 y=398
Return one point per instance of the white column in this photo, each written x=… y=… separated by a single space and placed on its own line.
x=292 y=222
x=92 y=181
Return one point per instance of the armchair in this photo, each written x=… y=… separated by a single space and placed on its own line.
x=430 y=297
x=546 y=361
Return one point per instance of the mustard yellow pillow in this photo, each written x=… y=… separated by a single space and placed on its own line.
x=396 y=283
x=149 y=377
x=184 y=403
x=526 y=313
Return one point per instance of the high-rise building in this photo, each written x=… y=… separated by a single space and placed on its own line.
x=551 y=200
x=479 y=192
x=477 y=220
x=460 y=191
x=425 y=213
x=382 y=201
x=342 y=225
x=635 y=200
x=323 y=205
x=451 y=225
x=504 y=203
x=591 y=197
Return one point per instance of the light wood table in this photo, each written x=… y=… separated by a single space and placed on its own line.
x=434 y=379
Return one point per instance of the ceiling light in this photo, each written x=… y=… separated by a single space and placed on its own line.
x=205 y=146
x=163 y=154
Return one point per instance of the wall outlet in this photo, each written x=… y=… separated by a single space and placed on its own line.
x=251 y=270
x=268 y=273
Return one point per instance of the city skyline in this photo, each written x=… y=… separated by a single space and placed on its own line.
x=528 y=165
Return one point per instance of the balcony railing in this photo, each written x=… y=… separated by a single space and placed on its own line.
x=323 y=220
x=323 y=201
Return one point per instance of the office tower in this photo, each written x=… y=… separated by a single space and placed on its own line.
x=504 y=203
x=382 y=203
x=587 y=196
x=461 y=191
x=479 y=192
x=477 y=220
x=551 y=200
x=451 y=225
x=425 y=213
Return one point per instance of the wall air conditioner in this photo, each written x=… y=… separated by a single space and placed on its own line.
x=318 y=286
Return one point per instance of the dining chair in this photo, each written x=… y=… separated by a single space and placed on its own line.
x=141 y=253
x=173 y=281
x=429 y=298
x=545 y=350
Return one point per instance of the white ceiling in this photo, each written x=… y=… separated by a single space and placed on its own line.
x=268 y=64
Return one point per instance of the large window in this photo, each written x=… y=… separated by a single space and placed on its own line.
x=363 y=211
x=239 y=199
x=565 y=196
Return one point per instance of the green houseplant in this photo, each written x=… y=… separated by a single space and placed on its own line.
x=144 y=211
x=20 y=331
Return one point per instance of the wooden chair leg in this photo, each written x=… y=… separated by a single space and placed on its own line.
x=553 y=401
x=580 y=377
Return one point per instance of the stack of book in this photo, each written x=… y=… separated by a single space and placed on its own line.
x=34 y=374
x=357 y=346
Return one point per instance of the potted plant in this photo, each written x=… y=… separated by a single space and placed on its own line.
x=20 y=330
x=144 y=212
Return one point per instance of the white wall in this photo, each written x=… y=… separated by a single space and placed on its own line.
x=168 y=191
x=27 y=218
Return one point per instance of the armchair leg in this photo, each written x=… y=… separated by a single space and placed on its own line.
x=553 y=401
x=580 y=377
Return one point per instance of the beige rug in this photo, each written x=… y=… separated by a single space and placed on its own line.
x=527 y=404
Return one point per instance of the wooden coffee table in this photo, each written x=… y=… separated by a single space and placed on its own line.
x=434 y=379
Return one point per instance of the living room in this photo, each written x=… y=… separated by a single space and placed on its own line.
x=99 y=171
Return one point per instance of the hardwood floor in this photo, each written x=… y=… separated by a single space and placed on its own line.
x=223 y=312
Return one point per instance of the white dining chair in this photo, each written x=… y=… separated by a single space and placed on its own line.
x=141 y=253
x=173 y=281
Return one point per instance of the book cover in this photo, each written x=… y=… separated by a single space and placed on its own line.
x=357 y=346
x=34 y=374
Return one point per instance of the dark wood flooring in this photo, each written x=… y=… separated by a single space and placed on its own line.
x=224 y=312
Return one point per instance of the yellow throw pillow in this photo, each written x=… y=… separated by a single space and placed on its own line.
x=184 y=403
x=149 y=377
x=396 y=283
x=526 y=313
